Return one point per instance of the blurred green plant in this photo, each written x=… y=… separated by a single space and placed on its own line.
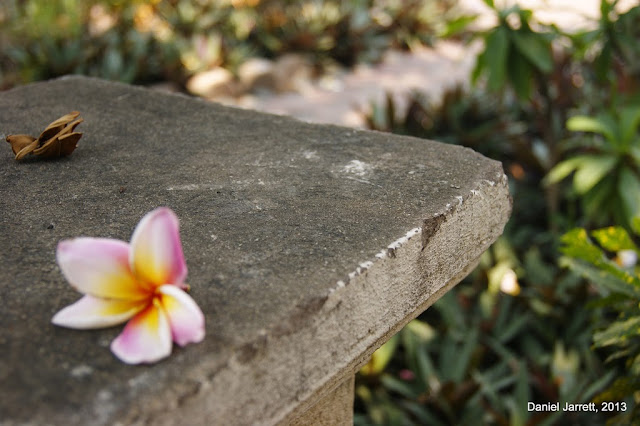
x=471 y=118
x=520 y=118
x=346 y=32
x=607 y=169
x=57 y=37
x=142 y=41
x=514 y=53
x=480 y=355
x=613 y=44
x=612 y=267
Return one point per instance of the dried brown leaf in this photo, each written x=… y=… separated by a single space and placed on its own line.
x=58 y=139
x=68 y=143
x=19 y=142
x=51 y=148
x=57 y=125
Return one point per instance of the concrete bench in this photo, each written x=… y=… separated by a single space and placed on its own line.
x=308 y=247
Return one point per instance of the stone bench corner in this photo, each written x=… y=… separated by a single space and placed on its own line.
x=308 y=247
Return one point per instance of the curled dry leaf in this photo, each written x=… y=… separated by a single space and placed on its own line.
x=57 y=140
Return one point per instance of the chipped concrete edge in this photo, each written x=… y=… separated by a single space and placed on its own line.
x=357 y=316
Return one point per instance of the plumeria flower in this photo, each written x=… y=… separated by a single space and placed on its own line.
x=142 y=282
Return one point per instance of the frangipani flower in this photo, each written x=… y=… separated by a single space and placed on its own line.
x=142 y=282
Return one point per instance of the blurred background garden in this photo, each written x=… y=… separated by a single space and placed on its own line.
x=552 y=313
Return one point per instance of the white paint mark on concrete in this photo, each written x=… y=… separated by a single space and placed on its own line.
x=357 y=168
x=187 y=187
x=310 y=155
x=194 y=187
x=81 y=371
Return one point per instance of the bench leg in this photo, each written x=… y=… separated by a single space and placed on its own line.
x=336 y=408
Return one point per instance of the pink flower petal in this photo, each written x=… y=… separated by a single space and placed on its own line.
x=156 y=251
x=99 y=267
x=146 y=338
x=185 y=317
x=91 y=312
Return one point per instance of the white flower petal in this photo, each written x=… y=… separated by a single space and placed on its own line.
x=185 y=317
x=92 y=312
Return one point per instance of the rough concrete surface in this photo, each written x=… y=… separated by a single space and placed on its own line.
x=307 y=247
x=334 y=409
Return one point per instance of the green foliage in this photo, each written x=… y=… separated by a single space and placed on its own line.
x=607 y=173
x=53 y=38
x=479 y=356
x=474 y=119
x=348 y=32
x=615 y=40
x=514 y=53
x=138 y=41
x=533 y=338
x=618 y=280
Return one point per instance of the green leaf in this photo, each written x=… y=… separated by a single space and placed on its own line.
x=576 y=243
x=635 y=225
x=635 y=154
x=597 y=385
x=629 y=120
x=421 y=329
x=561 y=170
x=425 y=370
x=591 y=170
x=614 y=238
x=521 y=76
x=457 y=25
x=496 y=55
x=602 y=63
x=515 y=326
x=421 y=412
x=621 y=388
x=489 y=389
x=480 y=67
x=599 y=203
x=398 y=386
x=501 y=350
x=489 y=3
x=581 y=123
x=629 y=191
x=463 y=358
x=604 y=280
x=535 y=48
x=606 y=7
x=618 y=333
x=537 y=270
x=523 y=393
